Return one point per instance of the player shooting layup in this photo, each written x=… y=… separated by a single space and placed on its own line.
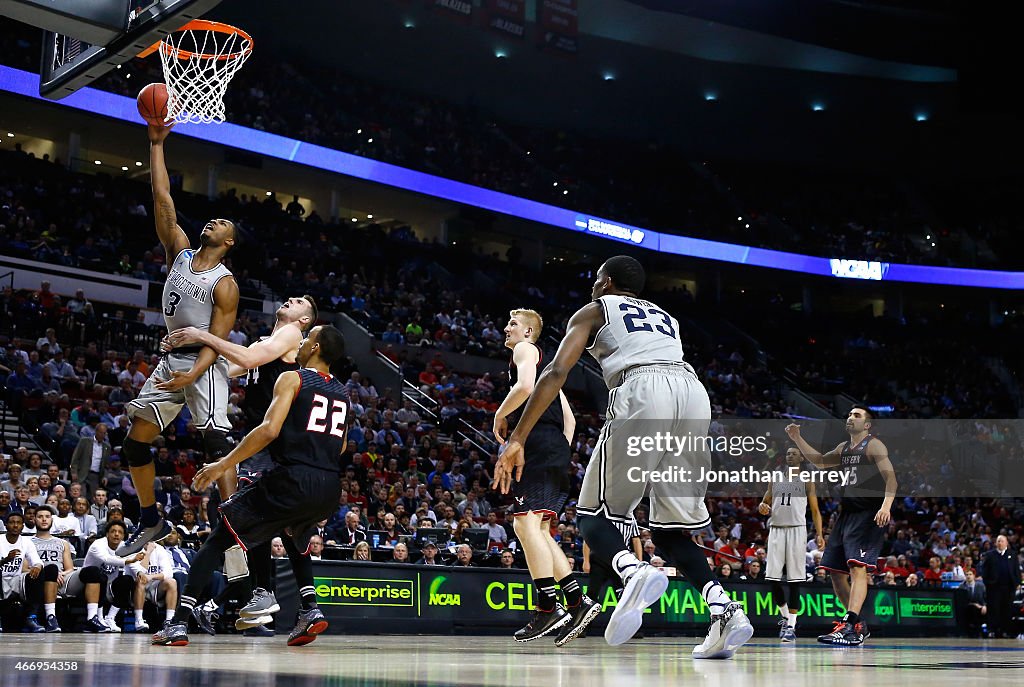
x=641 y=356
x=199 y=292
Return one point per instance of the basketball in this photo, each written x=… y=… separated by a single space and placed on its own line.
x=152 y=102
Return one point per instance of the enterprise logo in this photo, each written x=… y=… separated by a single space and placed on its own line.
x=858 y=269
x=615 y=231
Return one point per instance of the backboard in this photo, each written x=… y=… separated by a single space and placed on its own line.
x=84 y=40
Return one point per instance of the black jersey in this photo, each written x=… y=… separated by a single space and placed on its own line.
x=865 y=489
x=313 y=434
x=259 y=389
x=552 y=414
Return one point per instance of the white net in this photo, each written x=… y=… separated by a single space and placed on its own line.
x=199 y=63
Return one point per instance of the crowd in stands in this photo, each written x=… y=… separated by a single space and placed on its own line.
x=862 y=215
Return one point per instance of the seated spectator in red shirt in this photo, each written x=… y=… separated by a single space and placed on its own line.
x=933 y=575
x=892 y=565
x=427 y=377
x=733 y=549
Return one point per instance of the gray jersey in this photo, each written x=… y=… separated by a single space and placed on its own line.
x=789 y=504
x=51 y=550
x=188 y=295
x=635 y=332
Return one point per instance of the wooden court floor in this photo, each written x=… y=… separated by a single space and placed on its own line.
x=377 y=660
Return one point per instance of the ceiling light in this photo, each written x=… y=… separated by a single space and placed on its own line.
x=710 y=96
x=369 y=217
x=124 y=168
x=818 y=107
x=138 y=163
x=97 y=162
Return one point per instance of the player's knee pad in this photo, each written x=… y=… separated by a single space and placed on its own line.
x=136 y=453
x=50 y=573
x=236 y=565
x=91 y=575
x=216 y=444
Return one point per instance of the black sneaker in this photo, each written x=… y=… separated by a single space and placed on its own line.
x=142 y=536
x=31 y=625
x=862 y=627
x=542 y=624
x=838 y=630
x=582 y=616
x=852 y=636
x=205 y=620
x=172 y=634
x=308 y=624
x=51 y=623
x=95 y=624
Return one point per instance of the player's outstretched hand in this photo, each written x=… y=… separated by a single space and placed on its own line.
x=882 y=517
x=183 y=337
x=793 y=431
x=158 y=132
x=509 y=464
x=763 y=508
x=209 y=474
x=179 y=380
x=500 y=428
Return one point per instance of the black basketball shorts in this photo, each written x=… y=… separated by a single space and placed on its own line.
x=544 y=487
x=855 y=541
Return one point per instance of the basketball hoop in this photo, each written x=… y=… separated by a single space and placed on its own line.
x=199 y=61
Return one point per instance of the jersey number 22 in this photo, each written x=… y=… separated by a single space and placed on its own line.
x=318 y=416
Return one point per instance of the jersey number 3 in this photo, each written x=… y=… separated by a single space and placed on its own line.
x=172 y=303
x=635 y=314
x=318 y=416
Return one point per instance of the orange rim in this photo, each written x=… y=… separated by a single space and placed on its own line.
x=203 y=25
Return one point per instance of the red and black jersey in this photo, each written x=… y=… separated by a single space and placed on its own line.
x=259 y=389
x=552 y=414
x=313 y=433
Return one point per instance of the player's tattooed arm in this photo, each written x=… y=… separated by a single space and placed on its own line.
x=167 y=229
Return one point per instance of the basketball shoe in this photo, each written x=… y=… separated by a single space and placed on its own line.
x=308 y=624
x=582 y=616
x=729 y=631
x=644 y=587
x=543 y=623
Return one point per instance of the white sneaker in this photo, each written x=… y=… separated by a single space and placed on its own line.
x=644 y=588
x=112 y=624
x=728 y=631
x=247 y=623
x=142 y=627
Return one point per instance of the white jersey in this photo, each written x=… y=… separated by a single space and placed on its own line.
x=188 y=295
x=28 y=553
x=103 y=557
x=51 y=550
x=160 y=562
x=635 y=332
x=789 y=504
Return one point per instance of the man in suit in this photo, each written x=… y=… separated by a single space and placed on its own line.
x=89 y=459
x=972 y=596
x=352 y=533
x=1001 y=572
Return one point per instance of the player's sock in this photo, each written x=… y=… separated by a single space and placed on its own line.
x=138 y=616
x=625 y=564
x=148 y=515
x=184 y=610
x=791 y=618
x=91 y=610
x=307 y=598
x=851 y=617
x=715 y=597
x=169 y=613
x=112 y=613
x=51 y=609
x=571 y=589
x=546 y=599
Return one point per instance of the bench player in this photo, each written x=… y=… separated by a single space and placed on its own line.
x=638 y=347
x=864 y=511
x=787 y=503
x=200 y=292
x=67 y=580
